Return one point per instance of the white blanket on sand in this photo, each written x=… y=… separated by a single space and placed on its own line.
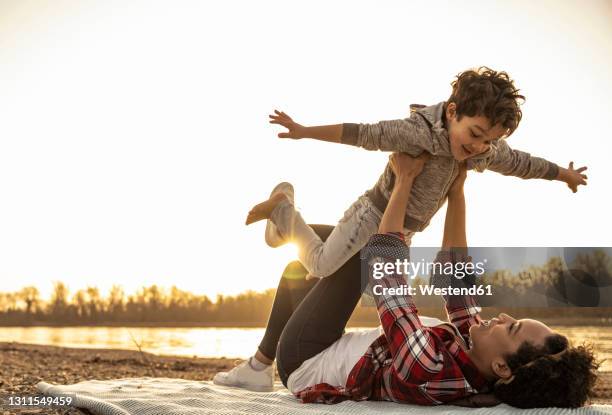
x=181 y=397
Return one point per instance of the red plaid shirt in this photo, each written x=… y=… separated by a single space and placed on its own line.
x=410 y=363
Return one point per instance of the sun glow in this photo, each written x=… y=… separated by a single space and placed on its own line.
x=283 y=255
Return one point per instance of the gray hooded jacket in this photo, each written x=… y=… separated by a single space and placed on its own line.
x=424 y=131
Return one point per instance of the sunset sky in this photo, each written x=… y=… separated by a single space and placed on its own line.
x=134 y=135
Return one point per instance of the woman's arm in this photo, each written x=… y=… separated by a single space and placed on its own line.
x=462 y=311
x=398 y=314
x=454 y=224
x=406 y=169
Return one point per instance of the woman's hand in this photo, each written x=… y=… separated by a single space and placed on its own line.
x=456 y=188
x=405 y=166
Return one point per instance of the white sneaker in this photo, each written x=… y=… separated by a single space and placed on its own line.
x=245 y=377
x=273 y=237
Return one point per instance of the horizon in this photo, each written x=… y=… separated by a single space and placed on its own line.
x=515 y=263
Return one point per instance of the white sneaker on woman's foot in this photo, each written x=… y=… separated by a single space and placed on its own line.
x=273 y=237
x=245 y=377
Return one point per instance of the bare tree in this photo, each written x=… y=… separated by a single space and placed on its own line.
x=94 y=303
x=31 y=297
x=59 y=300
x=116 y=303
x=79 y=300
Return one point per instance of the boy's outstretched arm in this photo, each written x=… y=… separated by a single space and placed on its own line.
x=405 y=136
x=331 y=133
x=510 y=162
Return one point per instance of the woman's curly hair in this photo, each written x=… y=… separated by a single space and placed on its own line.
x=553 y=375
x=488 y=93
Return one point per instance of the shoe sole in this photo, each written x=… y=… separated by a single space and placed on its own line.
x=252 y=388
x=273 y=238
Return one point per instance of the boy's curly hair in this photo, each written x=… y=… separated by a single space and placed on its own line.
x=488 y=93
x=553 y=375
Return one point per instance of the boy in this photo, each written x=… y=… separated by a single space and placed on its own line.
x=470 y=126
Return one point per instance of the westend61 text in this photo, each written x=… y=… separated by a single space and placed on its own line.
x=476 y=290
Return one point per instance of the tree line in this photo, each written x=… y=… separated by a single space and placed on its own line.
x=155 y=304
x=151 y=304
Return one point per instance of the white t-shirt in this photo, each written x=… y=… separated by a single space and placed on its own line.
x=334 y=364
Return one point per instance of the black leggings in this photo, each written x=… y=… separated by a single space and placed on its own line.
x=308 y=316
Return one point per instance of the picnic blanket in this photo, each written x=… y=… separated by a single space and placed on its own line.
x=146 y=395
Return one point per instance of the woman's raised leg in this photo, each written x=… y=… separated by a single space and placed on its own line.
x=321 y=317
x=256 y=373
x=291 y=290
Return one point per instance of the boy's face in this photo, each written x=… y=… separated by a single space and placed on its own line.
x=470 y=135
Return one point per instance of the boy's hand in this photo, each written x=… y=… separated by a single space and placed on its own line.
x=456 y=188
x=573 y=178
x=405 y=166
x=295 y=129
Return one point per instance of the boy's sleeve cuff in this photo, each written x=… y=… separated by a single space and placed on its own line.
x=553 y=171
x=350 y=132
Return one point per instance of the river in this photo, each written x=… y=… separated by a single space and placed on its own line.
x=217 y=341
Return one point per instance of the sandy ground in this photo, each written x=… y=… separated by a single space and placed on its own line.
x=22 y=366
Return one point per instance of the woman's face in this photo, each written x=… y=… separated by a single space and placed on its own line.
x=503 y=335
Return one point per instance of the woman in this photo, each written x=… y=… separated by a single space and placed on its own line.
x=409 y=359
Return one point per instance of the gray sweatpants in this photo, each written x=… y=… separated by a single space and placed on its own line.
x=321 y=259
